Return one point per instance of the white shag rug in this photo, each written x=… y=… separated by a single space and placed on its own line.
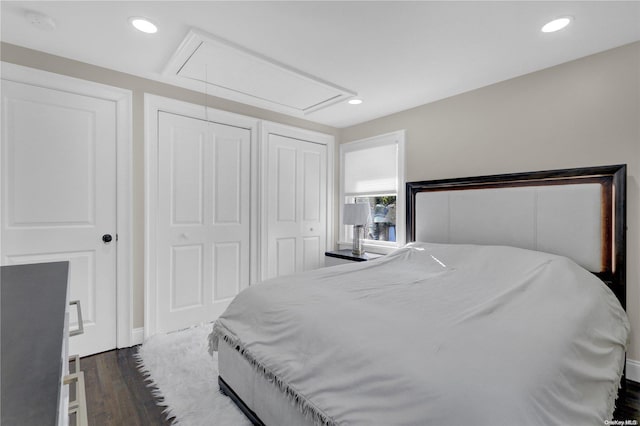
x=185 y=378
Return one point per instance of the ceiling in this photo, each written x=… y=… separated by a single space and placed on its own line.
x=393 y=55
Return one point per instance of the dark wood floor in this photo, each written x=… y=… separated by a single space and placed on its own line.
x=628 y=404
x=117 y=394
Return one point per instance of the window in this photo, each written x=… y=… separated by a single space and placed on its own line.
x=372 y=172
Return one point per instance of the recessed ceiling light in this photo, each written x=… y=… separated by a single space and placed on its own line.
x=556 y=24
x=144 y=25
x=355 y=101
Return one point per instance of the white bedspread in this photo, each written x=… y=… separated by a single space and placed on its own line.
x=438 y=335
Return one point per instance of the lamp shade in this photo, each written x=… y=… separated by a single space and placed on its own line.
x=356 y=214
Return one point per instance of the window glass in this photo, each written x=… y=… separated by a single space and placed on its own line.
x=382 y=226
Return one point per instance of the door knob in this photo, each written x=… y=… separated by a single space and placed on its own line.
x=106 y=238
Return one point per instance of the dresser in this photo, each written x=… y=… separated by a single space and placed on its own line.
x=34 y=363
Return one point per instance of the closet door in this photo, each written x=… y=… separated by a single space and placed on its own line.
x=203 y=219
x=296 y=205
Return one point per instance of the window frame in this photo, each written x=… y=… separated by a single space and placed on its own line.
x=344 y=237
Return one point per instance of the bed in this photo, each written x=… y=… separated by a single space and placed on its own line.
x=506 y=307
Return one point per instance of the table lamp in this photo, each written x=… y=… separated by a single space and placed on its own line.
x=357 y=215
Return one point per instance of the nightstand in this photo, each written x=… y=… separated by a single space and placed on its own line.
x=339 y=257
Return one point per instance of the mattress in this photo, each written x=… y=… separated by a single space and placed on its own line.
x=433 y=334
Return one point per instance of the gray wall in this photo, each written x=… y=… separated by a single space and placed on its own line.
x=581 y=113
x=139 y=86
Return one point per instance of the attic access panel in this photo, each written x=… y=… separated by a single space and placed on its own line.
x=234 y=72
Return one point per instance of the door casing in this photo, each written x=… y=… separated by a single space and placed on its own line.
x=153 y=106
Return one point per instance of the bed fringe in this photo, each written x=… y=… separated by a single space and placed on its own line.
x=310 y=410
x=307 y=408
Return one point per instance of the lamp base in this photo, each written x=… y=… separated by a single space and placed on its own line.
x=357 y=249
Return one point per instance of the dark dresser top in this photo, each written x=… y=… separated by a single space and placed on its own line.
x=32 y=313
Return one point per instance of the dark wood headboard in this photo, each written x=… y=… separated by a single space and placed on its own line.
x=612 y=217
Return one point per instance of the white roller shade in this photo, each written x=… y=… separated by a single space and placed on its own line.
x=371 y=170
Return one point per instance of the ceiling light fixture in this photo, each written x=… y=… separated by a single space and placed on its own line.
x=355 y=101
x=556 y=24
x=144 y=25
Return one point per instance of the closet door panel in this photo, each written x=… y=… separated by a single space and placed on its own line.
x=295 y=194
x=203 y=221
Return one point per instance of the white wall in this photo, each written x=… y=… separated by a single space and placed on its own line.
x=581 y=113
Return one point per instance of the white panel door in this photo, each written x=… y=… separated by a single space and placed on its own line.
x=296 y=200
x=59 y=197
x=203 y=219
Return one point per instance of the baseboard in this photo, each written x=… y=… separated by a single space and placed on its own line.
x=633 y=370
x=137 y=337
